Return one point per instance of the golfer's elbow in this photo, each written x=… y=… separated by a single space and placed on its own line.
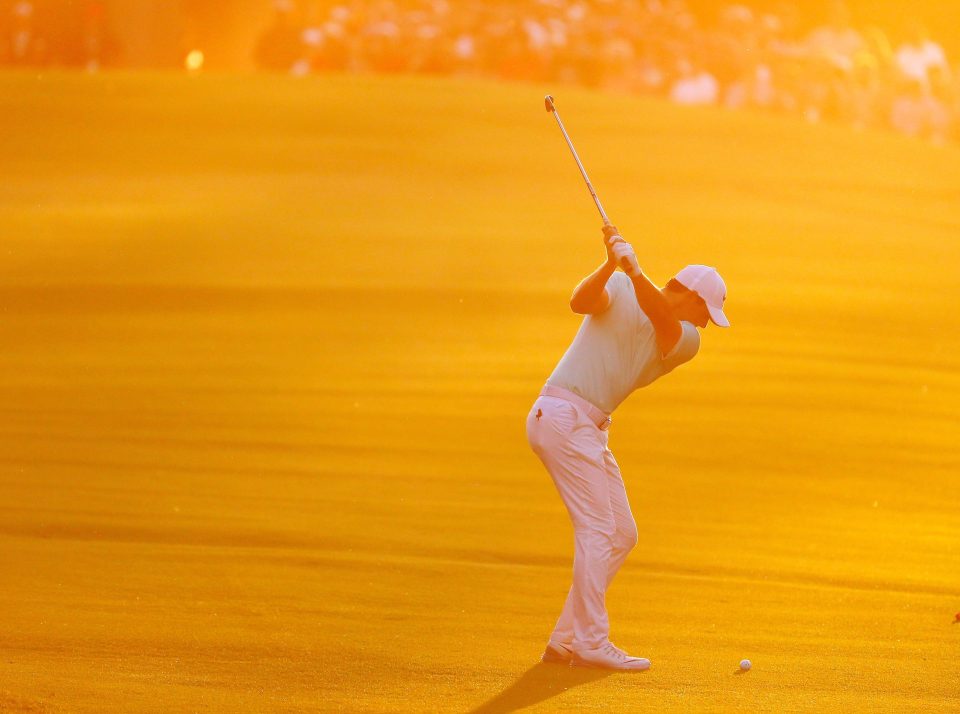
x=583 y=303
x=580 y=300
x=576 y=299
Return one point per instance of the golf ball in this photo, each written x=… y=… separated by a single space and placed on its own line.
x=745 y=664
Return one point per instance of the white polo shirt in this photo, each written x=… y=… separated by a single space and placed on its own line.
x=615 y=352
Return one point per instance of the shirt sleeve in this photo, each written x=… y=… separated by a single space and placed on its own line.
x=686 y=347
x=618 y=286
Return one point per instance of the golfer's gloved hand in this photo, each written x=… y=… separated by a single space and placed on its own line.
x=621 y=253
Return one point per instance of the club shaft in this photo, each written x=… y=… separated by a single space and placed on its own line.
x=624 y=262
x=583 y=171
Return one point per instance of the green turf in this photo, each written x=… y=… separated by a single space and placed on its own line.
x=267 y=350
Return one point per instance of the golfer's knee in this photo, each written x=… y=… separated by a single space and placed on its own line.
x=599 y=535
x=627 y=536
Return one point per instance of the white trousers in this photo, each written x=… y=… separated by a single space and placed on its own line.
x=574 y=450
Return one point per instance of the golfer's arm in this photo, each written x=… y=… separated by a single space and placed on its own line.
x=590 y=296
x=656 y=307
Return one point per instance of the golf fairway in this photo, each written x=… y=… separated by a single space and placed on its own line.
x=267 y=347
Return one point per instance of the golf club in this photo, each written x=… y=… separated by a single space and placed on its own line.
x=548 y=103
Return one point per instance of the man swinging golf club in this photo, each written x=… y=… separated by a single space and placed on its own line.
x=633 y=333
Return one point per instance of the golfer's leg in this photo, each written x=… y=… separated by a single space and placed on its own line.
x=572 y=451
x=583 y=623
x=545 y=420
x=563 y=631
x=591 y=628
x=625 y=537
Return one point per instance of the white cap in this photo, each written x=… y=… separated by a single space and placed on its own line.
x=707 y=283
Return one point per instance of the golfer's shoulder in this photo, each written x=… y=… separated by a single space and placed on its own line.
x=687 y=346
x=618 y=285
x=619 y=292
x=612 y=295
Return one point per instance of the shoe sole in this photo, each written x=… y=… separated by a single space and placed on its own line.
x=550 y=658
x=577 y=662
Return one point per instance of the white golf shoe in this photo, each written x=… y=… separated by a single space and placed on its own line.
x=609 y=656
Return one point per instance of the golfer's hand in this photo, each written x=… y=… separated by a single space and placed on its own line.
x=610 y=233
x=620 y=252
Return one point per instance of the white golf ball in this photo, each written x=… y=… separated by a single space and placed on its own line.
x=745 y=664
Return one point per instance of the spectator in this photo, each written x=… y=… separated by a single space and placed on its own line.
x=98 y=45
x=312 y=41
x=942 y=104
x=866 y=97
x=907 y=115
x=832 y=51
x=651 y=76
x=754 y=88
x=383 y=39
x=750 y=59
x=694 y=85
x=732 y=53
x=279 y=46
x=23 y=45
x=920 y=55
x=461 y=51
x=838 y=41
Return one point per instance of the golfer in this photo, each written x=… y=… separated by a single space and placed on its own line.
x=633 y=333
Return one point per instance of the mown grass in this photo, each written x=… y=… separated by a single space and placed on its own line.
x=267 y=351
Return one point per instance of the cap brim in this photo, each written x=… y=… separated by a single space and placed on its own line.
x=719 y=319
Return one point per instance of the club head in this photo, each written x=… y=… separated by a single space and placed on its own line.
x=548 y=103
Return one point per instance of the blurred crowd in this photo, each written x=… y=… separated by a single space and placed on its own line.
x=75 y=33
x=741 y=58
x=738 y=57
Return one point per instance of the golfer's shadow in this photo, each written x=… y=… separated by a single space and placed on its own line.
x=537 y=684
